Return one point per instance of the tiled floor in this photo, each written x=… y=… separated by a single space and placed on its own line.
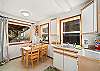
x=17 y=65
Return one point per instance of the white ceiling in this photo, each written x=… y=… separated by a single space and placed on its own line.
x=39 y=9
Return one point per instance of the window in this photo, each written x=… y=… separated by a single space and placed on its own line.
x=70 y=26
x=71 y=38
x=18 y=33
x=71 y=30
x=44 y=32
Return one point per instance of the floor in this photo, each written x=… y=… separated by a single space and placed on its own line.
x=17 y=65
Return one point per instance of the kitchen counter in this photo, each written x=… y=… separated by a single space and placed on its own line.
x=72 y=59
x=90 y=54
x=59 y=46
x=64 y=57
x=82 y=52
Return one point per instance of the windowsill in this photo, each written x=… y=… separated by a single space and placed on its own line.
x=17 y=43
x=46 y=42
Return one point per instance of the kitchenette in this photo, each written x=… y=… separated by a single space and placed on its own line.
x=80 y=41
x=68 y=58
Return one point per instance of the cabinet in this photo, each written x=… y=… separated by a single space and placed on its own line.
x=88 y=19
x=65 y=60
x=88 y=60
x=54 y=28
x=91 y=17
x=50 y=51
x=58 y=60
x=70 y=64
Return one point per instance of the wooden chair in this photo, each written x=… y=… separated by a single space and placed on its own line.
x=34 y=54
x=43 y=52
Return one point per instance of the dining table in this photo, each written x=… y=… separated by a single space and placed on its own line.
x=26 y=50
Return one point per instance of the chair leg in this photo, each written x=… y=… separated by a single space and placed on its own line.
x=32 y=62
x=46 y=57
x=38 y=61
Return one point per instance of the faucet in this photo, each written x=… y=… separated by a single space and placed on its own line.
x=67 y=43
x=74 y=45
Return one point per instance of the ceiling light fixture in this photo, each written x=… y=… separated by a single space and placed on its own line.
x=25 y=13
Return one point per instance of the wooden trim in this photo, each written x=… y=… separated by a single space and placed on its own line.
x=64 y=49
x=48 y=29
x=48 y=33
x=71 y=51
x=65 y=19
x=97 y=15
x=88 y=4
x=60 y=32
x=89 y=33
x=70 y=17
x=75 y=57
x=81 y=29
x=20 y=20
x=58 y=52
x=18 y=23
x=58 y=48
x=44 y=24
x=17 y=43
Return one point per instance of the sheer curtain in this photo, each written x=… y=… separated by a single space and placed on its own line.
x=3 y=39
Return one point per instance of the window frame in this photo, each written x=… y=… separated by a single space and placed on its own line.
x=20 y=23
x=45 y=33
x=66 y=20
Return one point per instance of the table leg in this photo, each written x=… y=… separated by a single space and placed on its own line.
x=22 y=55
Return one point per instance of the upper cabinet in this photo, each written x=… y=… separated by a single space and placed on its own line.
x=88 y=19
x=54 y=31
x=53 y=26
x=91 y=17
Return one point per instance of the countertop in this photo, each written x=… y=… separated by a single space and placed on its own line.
x=65 y=47
x=81 y=52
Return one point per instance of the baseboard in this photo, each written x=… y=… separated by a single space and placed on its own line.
x=21 y=56
x=50 y=57
x=15 y=58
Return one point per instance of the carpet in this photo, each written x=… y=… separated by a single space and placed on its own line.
x=51 y=68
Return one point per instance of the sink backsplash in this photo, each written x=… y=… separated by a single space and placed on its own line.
x=88 y=39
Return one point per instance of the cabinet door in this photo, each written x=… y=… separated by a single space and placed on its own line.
x=70 y=63
x=53 y=26
x=88 y=64
x=58 y=60
x=88 y=19
x=95 y=16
